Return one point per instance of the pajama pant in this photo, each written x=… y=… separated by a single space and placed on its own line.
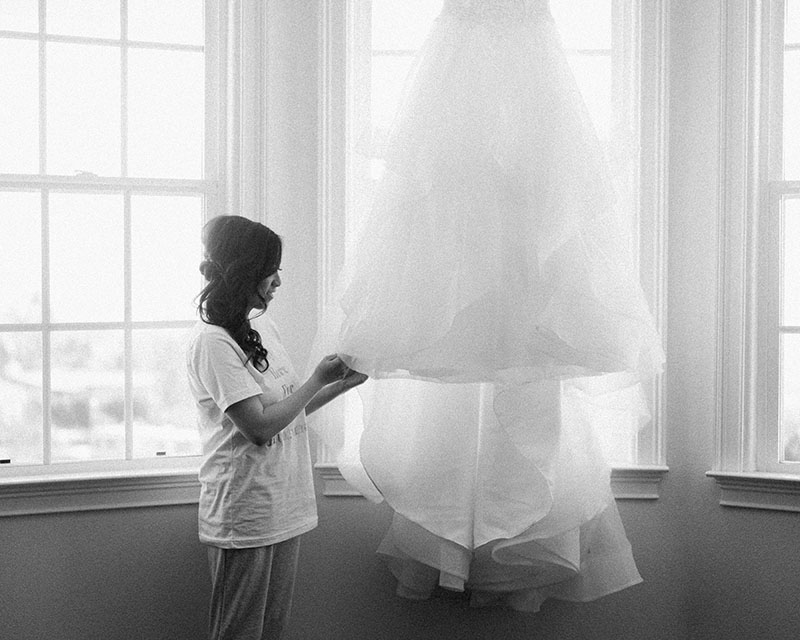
x=251 y=590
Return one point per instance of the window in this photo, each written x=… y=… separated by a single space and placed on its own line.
x=102 y=196
x=617 y=51
x=124 y=125
x=759 y=347
x=779 y=448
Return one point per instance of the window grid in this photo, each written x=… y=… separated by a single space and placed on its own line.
x=775 y=440
x=88 y=183
x=123 y=146
x=781 y=195
x=46 y=327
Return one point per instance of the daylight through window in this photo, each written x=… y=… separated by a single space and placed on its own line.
x=102 y=198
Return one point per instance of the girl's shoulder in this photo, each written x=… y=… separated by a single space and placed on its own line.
x=204 y=336
x=204 y=331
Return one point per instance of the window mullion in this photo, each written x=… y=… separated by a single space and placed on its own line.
x=128 y=336
x=42 y=89
x=47 y=439
x=128 y=332
x=773 y=96
x=123 y=84
x=214 y=109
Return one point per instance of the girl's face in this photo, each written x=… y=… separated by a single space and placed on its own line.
x=266 y=291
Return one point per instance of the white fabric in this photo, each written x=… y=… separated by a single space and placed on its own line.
x=494 y=303
x=250 y=496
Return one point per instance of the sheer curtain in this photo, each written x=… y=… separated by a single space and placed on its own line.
x=492 y=297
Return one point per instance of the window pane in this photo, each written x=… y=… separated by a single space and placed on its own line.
x=164 y=418
x=583 y=24
x=593 y=75
x=388 y=79
x=792 y=27
x=166 y=113
x=791 y=116
x=791 y=262
x=166 y=252
x=20 y=257
x=19 y=109
x=19 y=15
x=86 y=257
x=616 y=430
x=790 y=397
x=87 y=381
x=89 y=18
x=21 y=393
x=177 y=21
x=402 y=25
x=83 y=109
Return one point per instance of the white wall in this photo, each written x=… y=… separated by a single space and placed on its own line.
x=710 y=572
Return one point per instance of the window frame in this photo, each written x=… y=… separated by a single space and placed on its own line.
x=748 y=326
x=338 y=22
x=234 y=181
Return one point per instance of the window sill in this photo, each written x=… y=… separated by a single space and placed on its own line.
x=637 y=482
x=627 y=483
x=752 y=490
x=100 y=490
x=89 y=491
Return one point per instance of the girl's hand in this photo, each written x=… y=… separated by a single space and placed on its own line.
x=330 y=369
x=345 y=379
x=353 y=378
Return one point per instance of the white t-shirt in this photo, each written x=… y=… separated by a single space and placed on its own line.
x=250 y=496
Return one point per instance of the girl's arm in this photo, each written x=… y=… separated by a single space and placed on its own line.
x=259 y=422
x=334 y=390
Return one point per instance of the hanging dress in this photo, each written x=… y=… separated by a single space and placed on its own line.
x=493 y=301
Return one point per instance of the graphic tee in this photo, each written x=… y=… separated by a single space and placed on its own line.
x=250 y=495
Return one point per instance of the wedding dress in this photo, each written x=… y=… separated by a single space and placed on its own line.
x=493 y=302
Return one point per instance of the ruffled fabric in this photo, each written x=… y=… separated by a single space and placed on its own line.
x=494 y=303
x=493 y=243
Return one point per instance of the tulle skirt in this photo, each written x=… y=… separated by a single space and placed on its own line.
x=493 y=300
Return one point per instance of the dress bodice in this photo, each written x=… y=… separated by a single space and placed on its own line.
x=496 y=10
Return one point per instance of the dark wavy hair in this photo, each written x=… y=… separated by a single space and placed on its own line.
x=239 y=254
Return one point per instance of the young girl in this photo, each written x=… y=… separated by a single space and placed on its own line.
x=257 y=493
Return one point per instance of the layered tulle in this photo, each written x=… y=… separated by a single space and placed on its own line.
x=494 y=303
x=493 y=242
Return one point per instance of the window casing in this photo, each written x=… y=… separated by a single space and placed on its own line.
x=758 y=413
x=362 y=54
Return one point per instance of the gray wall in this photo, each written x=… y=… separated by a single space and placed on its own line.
x=710 y=572
x=347 y=593
x=127 y=574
